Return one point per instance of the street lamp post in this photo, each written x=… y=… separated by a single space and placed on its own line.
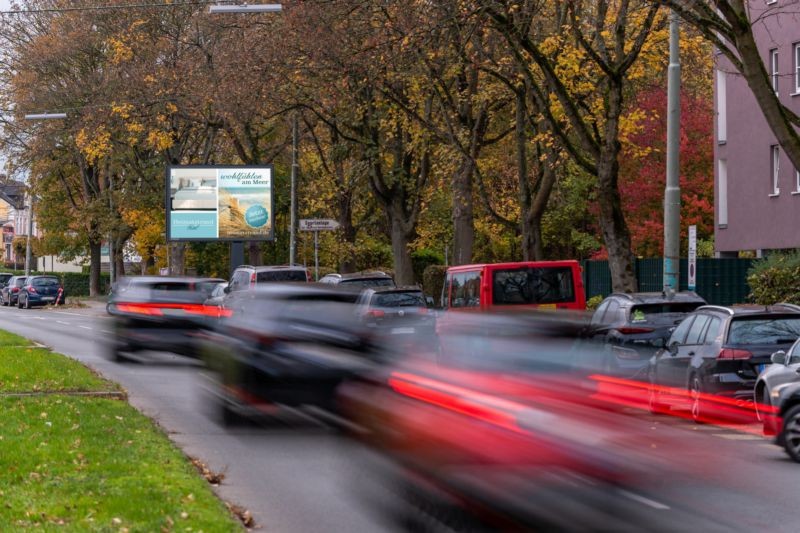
x=672 y=192
x=28 y=254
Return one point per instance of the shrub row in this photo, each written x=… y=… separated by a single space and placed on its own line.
x=75 y=283
x=775 y=279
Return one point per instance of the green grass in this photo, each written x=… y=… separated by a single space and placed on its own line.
x=38 y=369
x=9 y=339
x=81 y=463
x=94 y=464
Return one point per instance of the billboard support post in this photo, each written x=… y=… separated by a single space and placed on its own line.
x=237 y=255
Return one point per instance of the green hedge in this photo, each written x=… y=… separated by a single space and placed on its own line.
x=75 y=283
x=422 y=259
x=775 y=279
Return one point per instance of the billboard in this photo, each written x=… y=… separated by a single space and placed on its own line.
x=219 y=203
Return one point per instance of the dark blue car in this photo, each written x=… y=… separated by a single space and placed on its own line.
x=40 y=290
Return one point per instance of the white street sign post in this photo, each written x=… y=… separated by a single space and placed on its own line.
x=692 y=277
x=316 y=225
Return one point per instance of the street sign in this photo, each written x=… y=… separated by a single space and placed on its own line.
x=692 y=277
x=318 y=224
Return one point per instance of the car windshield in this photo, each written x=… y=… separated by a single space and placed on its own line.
x=369 y=282
x=19 y=282
x=662 y=312
x=762 y=330
x=207 y=287
x=281 y=275
x=45 y=282
x=532 y=285
x=399 y=299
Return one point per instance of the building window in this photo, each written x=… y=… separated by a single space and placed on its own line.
x=773 y=68
x=797 y=181
x=797 y=68
x=722 y=193
x=775 y=167
x=722 y=107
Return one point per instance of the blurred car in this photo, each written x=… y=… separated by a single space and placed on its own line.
x=286 y=345
x=360 y=279
x=208 y=285
x=635 y=326
x=247 y=278
x=217 y=295
x=400 y=312
x=777 y=395
x=158 y=313
x=504 y=438
x=717 y=353
x=4 y=277
x=10 y=292
x=40 y=290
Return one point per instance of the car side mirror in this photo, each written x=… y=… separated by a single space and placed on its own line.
x=673 y=348
x=227 y=289
x=778 y=358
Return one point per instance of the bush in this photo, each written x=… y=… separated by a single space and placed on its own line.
x=593 y=302
x=422 y=259
x=433 y=282
x=775 y=279
x=77 y=284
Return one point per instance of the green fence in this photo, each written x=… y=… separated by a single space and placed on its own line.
x=719 y=281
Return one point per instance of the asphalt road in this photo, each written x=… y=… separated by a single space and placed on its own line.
x=299 y=476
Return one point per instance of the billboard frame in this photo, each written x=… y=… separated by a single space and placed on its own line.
x=168 y=205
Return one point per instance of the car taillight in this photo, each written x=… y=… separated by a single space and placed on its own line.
x=31 y=289
x=629 y=330
x=14 y=289
x=376 y=313
x=252 y=279
x=151 y=309
x=733 y=353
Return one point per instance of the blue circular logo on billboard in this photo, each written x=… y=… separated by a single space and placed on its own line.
x=256 y=216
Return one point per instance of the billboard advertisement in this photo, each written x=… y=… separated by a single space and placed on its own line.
x=219 y=203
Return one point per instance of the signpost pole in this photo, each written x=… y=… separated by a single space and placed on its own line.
x=692 y=266
x=237 y=255
x=316 y=256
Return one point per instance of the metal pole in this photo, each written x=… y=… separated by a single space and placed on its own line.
x=28 y=254
x=316 y=256
x=111 y=263
x=672 y=192
x=237 y=256
x=293 y=192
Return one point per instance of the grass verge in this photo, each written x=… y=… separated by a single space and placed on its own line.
x=77 y=463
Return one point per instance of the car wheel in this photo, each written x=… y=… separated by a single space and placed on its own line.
x=228 y=414
x=19 y=302
x=696 y=393
x=3 y=300
x=791 y=433
x=27 y=303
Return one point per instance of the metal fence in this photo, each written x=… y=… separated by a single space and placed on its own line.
x=719 y=281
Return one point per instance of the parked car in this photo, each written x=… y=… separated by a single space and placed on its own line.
x=778 y=399
x=10 y=292
x=506 y=286
x=246 y=279
x=158 y=313
x=399 y=313
x=635 y=326
x=217 y=295
x=286 y=345
x=717 y=353
x=4 y=277
x=40 y=290
x=360 y=279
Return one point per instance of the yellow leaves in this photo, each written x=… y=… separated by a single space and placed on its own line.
x=123 y=110
x=94 y=147
x=118 y=51
x=159 y=140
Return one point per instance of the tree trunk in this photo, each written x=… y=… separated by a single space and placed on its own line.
x=347 y=263
x=177 y=259
x=403 y=268
x=463 y=228
x=254 y=255
x=94 y=267
x=616 y=235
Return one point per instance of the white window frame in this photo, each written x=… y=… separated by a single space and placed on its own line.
x=722 y=107
x=797 y=181
x=773 y=68
x=775 y=168
x=722 y=207
x=796 y=47
x=770 y=2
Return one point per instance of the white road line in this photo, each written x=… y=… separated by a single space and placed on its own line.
x=85 y=327
x=646 y=501
x=737 y=436
x=65 y=323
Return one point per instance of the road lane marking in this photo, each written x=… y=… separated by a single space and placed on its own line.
x=737 y=436
x=64 y=323
x=85 y=327
x=645 y=501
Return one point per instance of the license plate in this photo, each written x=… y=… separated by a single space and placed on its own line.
x=402 y=331
x=48 y=298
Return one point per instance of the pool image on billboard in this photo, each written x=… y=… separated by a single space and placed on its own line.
x=228 y=203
